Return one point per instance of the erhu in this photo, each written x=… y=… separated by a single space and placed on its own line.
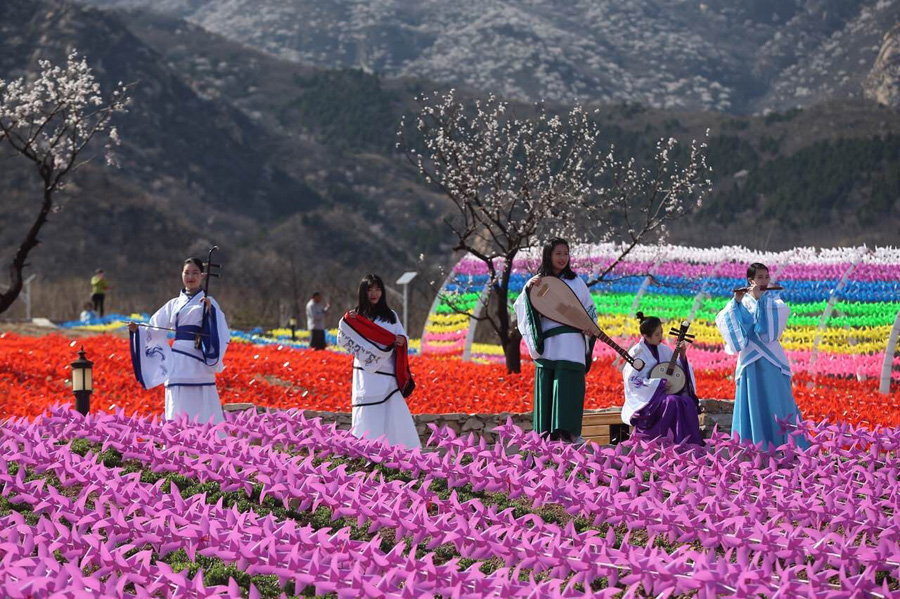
x=204 y=323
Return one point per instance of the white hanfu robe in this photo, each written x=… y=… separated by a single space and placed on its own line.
x=378 y=407
x=189 y=374
x=639 y=387
x=562 y=357
x=753 y=329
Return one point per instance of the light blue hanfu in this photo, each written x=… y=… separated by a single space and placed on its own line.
x=753 y=329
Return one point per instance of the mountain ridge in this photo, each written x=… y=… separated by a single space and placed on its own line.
x=294 y=167
x=725 y=55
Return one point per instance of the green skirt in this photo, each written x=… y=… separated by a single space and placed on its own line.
x=558 y=396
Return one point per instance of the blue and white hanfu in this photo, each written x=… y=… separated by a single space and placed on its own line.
x=189 y=374
x=752 y=329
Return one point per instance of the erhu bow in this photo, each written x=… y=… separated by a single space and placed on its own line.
x=204 y=323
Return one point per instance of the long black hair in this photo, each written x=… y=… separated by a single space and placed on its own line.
x=196 y=262
x=546 y=269
x=649 y=324
x=379 y=310
x=751 y=271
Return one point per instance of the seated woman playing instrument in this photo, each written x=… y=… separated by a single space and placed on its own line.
x=650 y=405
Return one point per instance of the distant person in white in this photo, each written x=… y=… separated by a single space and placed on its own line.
x=87 y=313
x=315 y=321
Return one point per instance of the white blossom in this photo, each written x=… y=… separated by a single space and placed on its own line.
x=50 y=121
x=517 y=180
x=53 y=118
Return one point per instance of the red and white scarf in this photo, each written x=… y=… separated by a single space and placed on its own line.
x=372 y=345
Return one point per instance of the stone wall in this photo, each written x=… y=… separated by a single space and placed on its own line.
x=716 y=411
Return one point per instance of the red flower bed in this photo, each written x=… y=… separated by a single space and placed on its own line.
x=34 y=375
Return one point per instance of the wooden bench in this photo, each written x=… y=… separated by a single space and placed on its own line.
x=604 y=427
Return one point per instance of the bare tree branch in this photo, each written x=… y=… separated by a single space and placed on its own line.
x=517 y=180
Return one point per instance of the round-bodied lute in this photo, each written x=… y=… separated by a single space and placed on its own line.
x=556 y=300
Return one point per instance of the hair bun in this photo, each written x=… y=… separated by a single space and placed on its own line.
x=640 y=316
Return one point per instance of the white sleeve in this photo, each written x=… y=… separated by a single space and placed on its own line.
x=163 y=317
x=584 y=295
x=521 y=309
x=398 y=326
x=639 y=388
x=587 y=300
x=150 y=351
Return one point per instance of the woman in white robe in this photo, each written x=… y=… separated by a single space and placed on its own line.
x=561 y=354
x=188 y=372
x=379 y=406
x=649 y=407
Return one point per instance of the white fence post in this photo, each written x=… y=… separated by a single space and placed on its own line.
x=888 y=365
x=829 y=309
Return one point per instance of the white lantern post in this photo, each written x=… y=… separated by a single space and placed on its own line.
x=404 y=280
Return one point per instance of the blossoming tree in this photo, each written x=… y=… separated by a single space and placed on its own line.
x=517 y=180
x=50 y=121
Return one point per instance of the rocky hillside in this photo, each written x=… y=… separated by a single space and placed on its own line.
x=291 y=168
x=724 y=55
x=883 y=82
x=289 y=210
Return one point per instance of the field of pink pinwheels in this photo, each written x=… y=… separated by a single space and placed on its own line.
x=272 y=504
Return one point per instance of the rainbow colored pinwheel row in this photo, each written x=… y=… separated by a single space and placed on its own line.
x=280 y=336
x=843 y=301
x=729 y=520
x=447 y=326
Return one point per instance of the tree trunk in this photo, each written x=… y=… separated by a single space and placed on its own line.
x=511 y=352
x=29 y=243
x=509 y=335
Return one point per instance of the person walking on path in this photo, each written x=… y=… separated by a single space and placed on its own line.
x=99 y=287
x=315 y=320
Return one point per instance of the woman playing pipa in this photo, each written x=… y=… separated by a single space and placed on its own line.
x=660 y=400
x=561 y=353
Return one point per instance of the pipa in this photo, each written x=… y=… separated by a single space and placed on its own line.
x=556 y=300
